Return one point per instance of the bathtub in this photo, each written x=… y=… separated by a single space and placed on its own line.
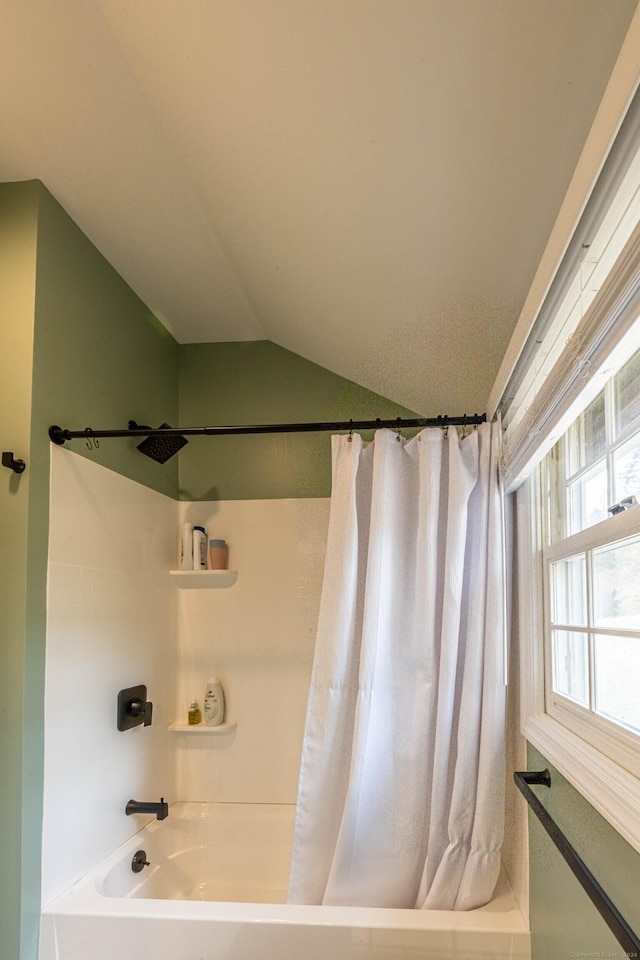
x=215 y=888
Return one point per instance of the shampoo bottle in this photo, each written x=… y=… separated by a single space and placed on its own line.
x=214 y=703
x=186 y=547
x=199 y=548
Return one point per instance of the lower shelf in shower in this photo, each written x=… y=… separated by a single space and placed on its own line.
x=203 y=728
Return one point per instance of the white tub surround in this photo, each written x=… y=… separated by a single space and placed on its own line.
x=118 y=617
x=235 y=851
x=257 y=635
x=111 y=623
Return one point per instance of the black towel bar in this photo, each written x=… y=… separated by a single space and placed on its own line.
x=608 y=911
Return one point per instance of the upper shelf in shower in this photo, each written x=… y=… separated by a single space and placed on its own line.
x=190 y=579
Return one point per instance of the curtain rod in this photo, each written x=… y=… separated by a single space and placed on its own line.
x=59 y=435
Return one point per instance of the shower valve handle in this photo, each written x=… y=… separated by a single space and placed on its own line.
x=141 y=708
x=133 y=707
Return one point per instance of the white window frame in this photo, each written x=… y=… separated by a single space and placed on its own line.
x=607 y=785
x=611 y=739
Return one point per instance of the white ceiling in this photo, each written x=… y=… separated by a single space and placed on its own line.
x=369 y=183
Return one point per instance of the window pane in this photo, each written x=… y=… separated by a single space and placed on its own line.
x=587 y=498
x=617 y=674
x=571 y=665
x=586 y=438
x=627 y=393
x=569 y=600
x=616 y=585
x=627 y=469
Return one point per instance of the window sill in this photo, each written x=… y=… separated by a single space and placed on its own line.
x=612 y=790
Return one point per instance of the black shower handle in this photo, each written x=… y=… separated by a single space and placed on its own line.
x=141 y=708
x=133 y=707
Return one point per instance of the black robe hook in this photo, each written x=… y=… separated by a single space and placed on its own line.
x=8 y=460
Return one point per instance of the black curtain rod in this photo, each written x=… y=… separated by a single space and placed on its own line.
x=606 y=908
x=59 y=435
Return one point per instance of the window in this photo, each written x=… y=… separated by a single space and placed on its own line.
x=600 y=455
x=592 y=572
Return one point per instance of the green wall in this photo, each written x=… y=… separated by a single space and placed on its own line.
x=564 y=922
x=77 y=348
x=260 y=382
x=18 y=231
x=101 y=357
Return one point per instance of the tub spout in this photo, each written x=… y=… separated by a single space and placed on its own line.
x=161 y=809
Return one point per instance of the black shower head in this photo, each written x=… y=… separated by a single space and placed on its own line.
x=159 y=448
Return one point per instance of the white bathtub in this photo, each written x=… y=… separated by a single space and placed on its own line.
x=215 y=889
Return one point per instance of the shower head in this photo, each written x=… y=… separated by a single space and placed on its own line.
x=159 y=448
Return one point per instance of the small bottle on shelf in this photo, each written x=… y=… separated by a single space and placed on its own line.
x=194 y=713
x=186 y=547
x=199 y=548
x=217 y=555
x=214 y=703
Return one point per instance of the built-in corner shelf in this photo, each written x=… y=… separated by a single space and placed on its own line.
x=204 y=728
x=198 y=579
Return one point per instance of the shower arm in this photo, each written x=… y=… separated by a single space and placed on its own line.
x=60 y=436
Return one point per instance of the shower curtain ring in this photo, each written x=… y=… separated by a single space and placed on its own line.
x=89 y=435
x=350 y=437
x=398 y=428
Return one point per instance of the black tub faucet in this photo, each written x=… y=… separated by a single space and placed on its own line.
x=161 y=809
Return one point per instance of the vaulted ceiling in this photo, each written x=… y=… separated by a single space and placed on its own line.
x=369 y=183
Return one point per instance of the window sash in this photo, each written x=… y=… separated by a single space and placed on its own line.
x=591 y=461
x=610 y=736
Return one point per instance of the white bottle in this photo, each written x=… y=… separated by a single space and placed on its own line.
x=186 y=547
x=213 y=703
x=199 y=548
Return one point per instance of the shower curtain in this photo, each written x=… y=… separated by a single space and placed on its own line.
x=401 y=789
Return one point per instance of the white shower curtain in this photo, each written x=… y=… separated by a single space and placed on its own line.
x=401 y=791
